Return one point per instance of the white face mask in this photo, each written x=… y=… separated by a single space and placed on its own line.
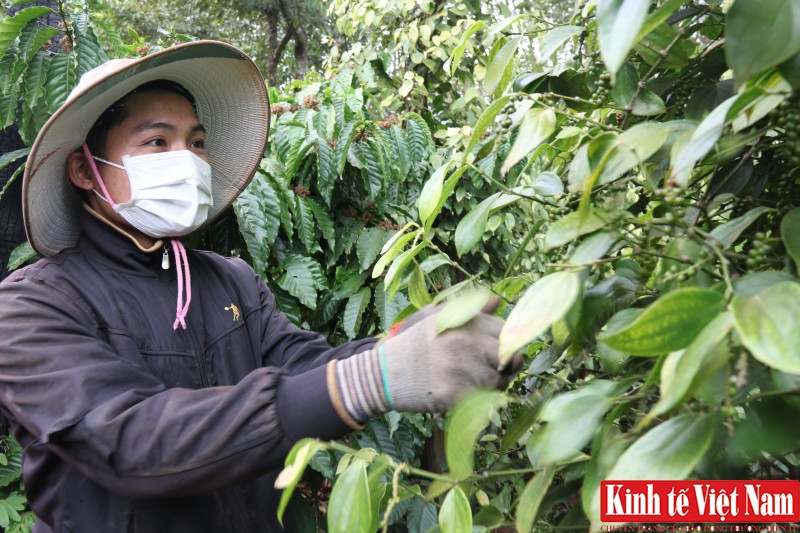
x=170 y=192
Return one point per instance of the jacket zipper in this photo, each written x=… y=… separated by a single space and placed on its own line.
x=199 y=359
x=198 y=354
x=197 y=350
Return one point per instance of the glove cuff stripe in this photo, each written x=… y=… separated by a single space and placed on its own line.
x=359 y=379
x=384 y=375
x=335 y=392
x=369 y=369
x=349 y=380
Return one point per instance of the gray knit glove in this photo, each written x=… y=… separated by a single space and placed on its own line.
x=417 y=370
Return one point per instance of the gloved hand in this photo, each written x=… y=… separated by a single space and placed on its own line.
x=426 y=372
x=417 y=370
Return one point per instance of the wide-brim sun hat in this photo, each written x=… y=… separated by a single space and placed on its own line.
x=232 y=103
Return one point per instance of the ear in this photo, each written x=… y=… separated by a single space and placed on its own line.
x=79 y=172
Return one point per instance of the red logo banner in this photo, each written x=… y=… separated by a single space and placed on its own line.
x=700 y=501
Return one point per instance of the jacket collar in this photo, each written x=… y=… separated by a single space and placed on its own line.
x=114 y=246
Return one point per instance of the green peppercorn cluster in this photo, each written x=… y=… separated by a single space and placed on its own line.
x=788 y=118
x=785 y=188
x=758 y=250
x=600 y=84
x=674 y=208
x=680 y=97
x=555 y=210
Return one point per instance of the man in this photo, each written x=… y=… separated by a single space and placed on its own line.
x=155 y=389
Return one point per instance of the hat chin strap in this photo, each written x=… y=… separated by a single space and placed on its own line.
x=181 y=261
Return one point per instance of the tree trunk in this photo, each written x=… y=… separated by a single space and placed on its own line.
x=301 y=52
x=275 y=48
x=294 y=27
x=272 y=15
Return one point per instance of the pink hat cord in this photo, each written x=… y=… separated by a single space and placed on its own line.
x=184 y=279
x=181 y=261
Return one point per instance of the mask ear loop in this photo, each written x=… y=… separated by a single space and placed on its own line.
x=97 y=176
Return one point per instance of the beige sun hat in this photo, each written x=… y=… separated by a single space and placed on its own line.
x=232 y=103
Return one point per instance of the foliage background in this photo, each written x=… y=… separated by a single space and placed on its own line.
x=622 y=173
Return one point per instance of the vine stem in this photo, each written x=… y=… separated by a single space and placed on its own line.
x=395 y=495
x=333 y=445
x=583 y=205
x=768 y=394
x=499 y=473
x=568 y=115
x=404 y=468
x=543 y=20
x=503 y=187
x=583 y=265
x=456 y=264
x=662 y=54
x=723 y=261
x=469 y=275
x=528 y=236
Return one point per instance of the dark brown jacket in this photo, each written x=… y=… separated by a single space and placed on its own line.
x=129 y=425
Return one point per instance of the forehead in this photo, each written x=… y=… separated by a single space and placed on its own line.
x=160 y=104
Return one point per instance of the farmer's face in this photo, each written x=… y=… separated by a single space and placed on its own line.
x=155 y=121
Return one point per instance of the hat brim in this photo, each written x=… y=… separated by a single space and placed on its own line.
x=231 y=101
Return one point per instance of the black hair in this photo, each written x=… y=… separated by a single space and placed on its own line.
x=116 y=112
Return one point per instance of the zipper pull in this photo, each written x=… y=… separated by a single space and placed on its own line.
x=165 y=259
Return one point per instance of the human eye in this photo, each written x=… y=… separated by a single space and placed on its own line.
x=199 y=144
x=157 y=141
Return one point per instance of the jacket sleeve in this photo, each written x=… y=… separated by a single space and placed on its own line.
x=118 y=424
x=303 y=355
x=293 y=349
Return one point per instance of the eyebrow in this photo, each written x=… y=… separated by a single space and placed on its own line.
x=146 y=126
